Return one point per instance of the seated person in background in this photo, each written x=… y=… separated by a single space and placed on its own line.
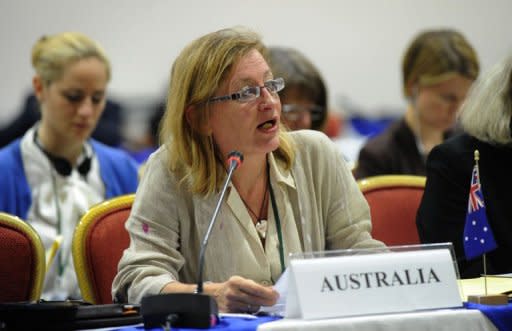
x=486 y=119
x=54 y=173
x=107 y=131
x=438 y=68
x=150 y=140
x=304 y=98
x=293 y=192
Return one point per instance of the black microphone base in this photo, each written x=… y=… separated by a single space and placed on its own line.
x=183 y=310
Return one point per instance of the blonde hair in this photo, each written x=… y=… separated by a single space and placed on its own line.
x=435 y=56
x=51 y=54
x=487 y=111
x=196 y=74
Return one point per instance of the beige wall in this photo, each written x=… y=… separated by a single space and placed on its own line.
x=357 y=44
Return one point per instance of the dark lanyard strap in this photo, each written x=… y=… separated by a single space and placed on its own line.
x=278 y=221
x=60 y=253
x=62 y=264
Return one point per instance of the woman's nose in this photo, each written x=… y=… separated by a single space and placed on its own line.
x=266 y=94
x=267 y=98
x=86 y=108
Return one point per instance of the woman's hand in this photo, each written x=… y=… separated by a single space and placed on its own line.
x=239 y=294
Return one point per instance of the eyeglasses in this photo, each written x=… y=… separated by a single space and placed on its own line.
x=292 y=112
x=250 y=93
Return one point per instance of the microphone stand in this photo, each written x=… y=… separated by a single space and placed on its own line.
x=189 y=310
x=233 y=164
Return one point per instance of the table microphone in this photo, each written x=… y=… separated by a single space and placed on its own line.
x=192 y=310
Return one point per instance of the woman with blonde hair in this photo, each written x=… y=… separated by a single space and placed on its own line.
x=55 y=172
x=486 y=117
x=292 y=193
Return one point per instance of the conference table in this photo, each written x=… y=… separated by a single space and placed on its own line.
x=439 y=320
x=472 y=317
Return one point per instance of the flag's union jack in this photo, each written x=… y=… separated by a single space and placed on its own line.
x=475 y=194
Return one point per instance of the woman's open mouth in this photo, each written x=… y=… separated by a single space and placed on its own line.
x=268 y=125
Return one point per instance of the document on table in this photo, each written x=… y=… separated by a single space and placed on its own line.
x=496 y=284
x=281 y=287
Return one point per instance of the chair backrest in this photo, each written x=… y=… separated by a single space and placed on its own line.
x=98 y=244
x=394 y=201
x=22 y=260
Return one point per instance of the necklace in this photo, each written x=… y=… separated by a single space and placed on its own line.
x=261 y=222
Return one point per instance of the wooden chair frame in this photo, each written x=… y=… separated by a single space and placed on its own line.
x=81 y=259
x=370 y=183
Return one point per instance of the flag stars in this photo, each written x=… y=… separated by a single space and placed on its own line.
x=473 y=223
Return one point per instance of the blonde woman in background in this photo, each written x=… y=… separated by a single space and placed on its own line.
x=438 y=68
x=55 y=172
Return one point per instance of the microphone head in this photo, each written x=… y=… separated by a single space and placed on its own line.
x=236 y=157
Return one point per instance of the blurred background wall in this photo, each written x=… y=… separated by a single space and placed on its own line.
x=356 y=44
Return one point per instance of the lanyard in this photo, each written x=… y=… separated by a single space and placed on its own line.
x=62 y=264
x=278 y=221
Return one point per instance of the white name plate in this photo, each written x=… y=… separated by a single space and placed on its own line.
x=390 y=282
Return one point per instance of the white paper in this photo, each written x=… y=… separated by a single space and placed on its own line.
x=281 y=286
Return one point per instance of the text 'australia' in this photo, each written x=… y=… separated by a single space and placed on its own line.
x=368 y=280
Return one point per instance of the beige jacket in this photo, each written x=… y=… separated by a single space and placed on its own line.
x=319 y=205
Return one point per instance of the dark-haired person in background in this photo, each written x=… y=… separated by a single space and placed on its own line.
x=304 y=98
x=54 y=173
x=438 y=68
x=486 y=120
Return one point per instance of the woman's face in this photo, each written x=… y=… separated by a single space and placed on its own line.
x=72 y=105
x=297 y=110
x=251 y=127
x=437 y=105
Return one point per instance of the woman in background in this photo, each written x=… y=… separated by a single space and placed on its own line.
x=486 y=117
x=54 y=173
x=304 y=98
x=438 y=68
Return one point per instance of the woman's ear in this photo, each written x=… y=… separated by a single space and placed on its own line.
x=197 y=120
x=38 y=86
x=412 y=92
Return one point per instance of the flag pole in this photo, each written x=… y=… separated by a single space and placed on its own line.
x=484 y=260
x=485 y=273
x=492 y=299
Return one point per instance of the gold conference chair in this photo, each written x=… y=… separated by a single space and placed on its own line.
x=394 y=201
x=22 y=260
x=98 y=244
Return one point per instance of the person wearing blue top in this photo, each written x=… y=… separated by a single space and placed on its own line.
x=53 y=174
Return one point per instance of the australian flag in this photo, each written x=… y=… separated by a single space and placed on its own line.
x=478 y=237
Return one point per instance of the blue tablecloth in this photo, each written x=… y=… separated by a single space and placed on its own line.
x=225 y=323
x=500 y=316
